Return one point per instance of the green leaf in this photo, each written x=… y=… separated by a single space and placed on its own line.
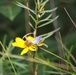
x=10 y=47
x=23 y=66
x=31 y=25
x=4 y=40
x=47 y=35
x=23 y=6
x=69 y=53
x=40 y=15
x=46 y=19
x=38 y=2
x=33 y=18
x=48 y=16
x=10 y=11
x=45 y=2
x=47 y=11
x=48 y=22
x=53 y=72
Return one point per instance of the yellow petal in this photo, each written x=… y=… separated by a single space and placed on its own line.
x=14 y=44
x=24 y=51
x=40 y=43
x=19 y=43
x=19 y=39
x=30 y=38
x=33 y=47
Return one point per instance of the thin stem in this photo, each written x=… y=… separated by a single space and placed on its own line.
x=31 y=68
x=59 y=58
x=63 y=66
x=9 y=59
x=70 y=17
x=36 y=69
x=35 y=33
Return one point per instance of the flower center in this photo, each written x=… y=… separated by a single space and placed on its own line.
x=28 y=44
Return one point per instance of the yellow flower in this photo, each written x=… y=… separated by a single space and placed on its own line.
x=29 y=44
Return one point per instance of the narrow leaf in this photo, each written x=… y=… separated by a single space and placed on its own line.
x=31 y=25
x=42 y=15
x=10 y=47
x=45 y=2
x=23 y=6
x=46 y=19
x=47 y=11
x=23 y=66
x=33 y=18
x=41 y=8
x=48 y=22
x=53 y=72
x=47 y=35
x=49 y=16
x=4 y=40
x=38 y=3
x=69 y=53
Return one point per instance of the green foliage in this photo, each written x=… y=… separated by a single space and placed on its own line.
x=46 y=60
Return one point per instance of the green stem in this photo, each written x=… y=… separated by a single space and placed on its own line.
x=30 y=64
x=9 y=59
x=59 y=58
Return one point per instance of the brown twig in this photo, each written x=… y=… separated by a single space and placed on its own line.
x=63 y=66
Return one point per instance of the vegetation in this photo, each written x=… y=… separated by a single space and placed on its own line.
x=44 y=34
